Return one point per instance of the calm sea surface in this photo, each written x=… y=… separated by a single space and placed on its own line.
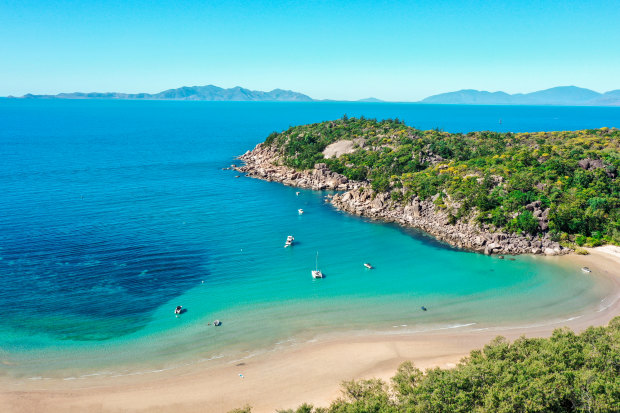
x=112 y=213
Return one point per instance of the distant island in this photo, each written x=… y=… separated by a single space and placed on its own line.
x=209 y=93
x=370 y=100
x=562 y=95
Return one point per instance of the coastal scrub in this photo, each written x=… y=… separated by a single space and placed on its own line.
x=562 y=185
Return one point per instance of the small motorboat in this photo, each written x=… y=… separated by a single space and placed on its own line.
x=586 y=270
x=289 y=241
x=423 y=308
x=301 y=211
x=217 y=323
x=367 y=265
x=179 y=309
x=297 y=193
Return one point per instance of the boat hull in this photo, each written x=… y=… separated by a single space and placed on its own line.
x=317 y=274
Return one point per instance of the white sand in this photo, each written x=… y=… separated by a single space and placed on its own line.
x=610 y=250
x=285 y=379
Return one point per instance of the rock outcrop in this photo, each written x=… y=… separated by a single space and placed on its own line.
x=358 y=198
x=424 y=215
x=592 y=164
x=263 y=163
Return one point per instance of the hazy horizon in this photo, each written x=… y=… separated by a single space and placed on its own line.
x=341 y=50
x=296 y=91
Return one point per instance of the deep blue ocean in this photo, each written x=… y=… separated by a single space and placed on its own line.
x=114 y=212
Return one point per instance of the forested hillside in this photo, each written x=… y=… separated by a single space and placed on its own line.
x=562 y=183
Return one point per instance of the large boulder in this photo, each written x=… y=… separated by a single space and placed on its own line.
x=377 y=203
x=533 y=205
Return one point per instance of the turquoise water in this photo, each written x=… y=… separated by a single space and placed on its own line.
x=113 y=213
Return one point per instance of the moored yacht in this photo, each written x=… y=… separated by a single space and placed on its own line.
x=289 y=241
x=316 y=273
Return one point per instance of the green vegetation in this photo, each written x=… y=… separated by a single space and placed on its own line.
x=564 y=373
x=488 y=177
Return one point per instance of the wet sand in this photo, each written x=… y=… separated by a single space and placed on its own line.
x=311 y=372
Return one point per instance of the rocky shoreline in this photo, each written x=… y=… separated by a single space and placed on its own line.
x=357 y=198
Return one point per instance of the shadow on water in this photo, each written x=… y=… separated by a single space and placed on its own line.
x=424 y=237
x=94 y=289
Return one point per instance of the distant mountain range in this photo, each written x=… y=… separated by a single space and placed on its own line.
x=208 y=92
x=563 y=95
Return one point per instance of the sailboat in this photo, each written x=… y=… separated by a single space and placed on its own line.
x=316 y=273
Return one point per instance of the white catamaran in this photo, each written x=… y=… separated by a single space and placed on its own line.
x=316 y=273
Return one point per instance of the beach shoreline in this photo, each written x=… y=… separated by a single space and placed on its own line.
x=310 y=372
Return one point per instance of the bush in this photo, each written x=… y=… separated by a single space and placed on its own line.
x=526 y=222
x=396 y=196
x=580 y=240
x=380 y=184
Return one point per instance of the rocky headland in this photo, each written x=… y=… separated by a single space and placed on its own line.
x=264 y=162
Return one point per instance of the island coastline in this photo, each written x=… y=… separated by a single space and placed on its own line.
x=358 y=198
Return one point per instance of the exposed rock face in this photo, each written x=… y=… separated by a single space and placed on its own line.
x=341 y=147
x=262 y=163
x=541 y=215
x=592 y=164
x=426 y=216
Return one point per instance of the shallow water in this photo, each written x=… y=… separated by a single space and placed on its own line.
x=113 y=213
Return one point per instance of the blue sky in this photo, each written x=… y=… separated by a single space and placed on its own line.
x=393 y=50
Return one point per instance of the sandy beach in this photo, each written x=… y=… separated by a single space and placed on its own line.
x=311 y=372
